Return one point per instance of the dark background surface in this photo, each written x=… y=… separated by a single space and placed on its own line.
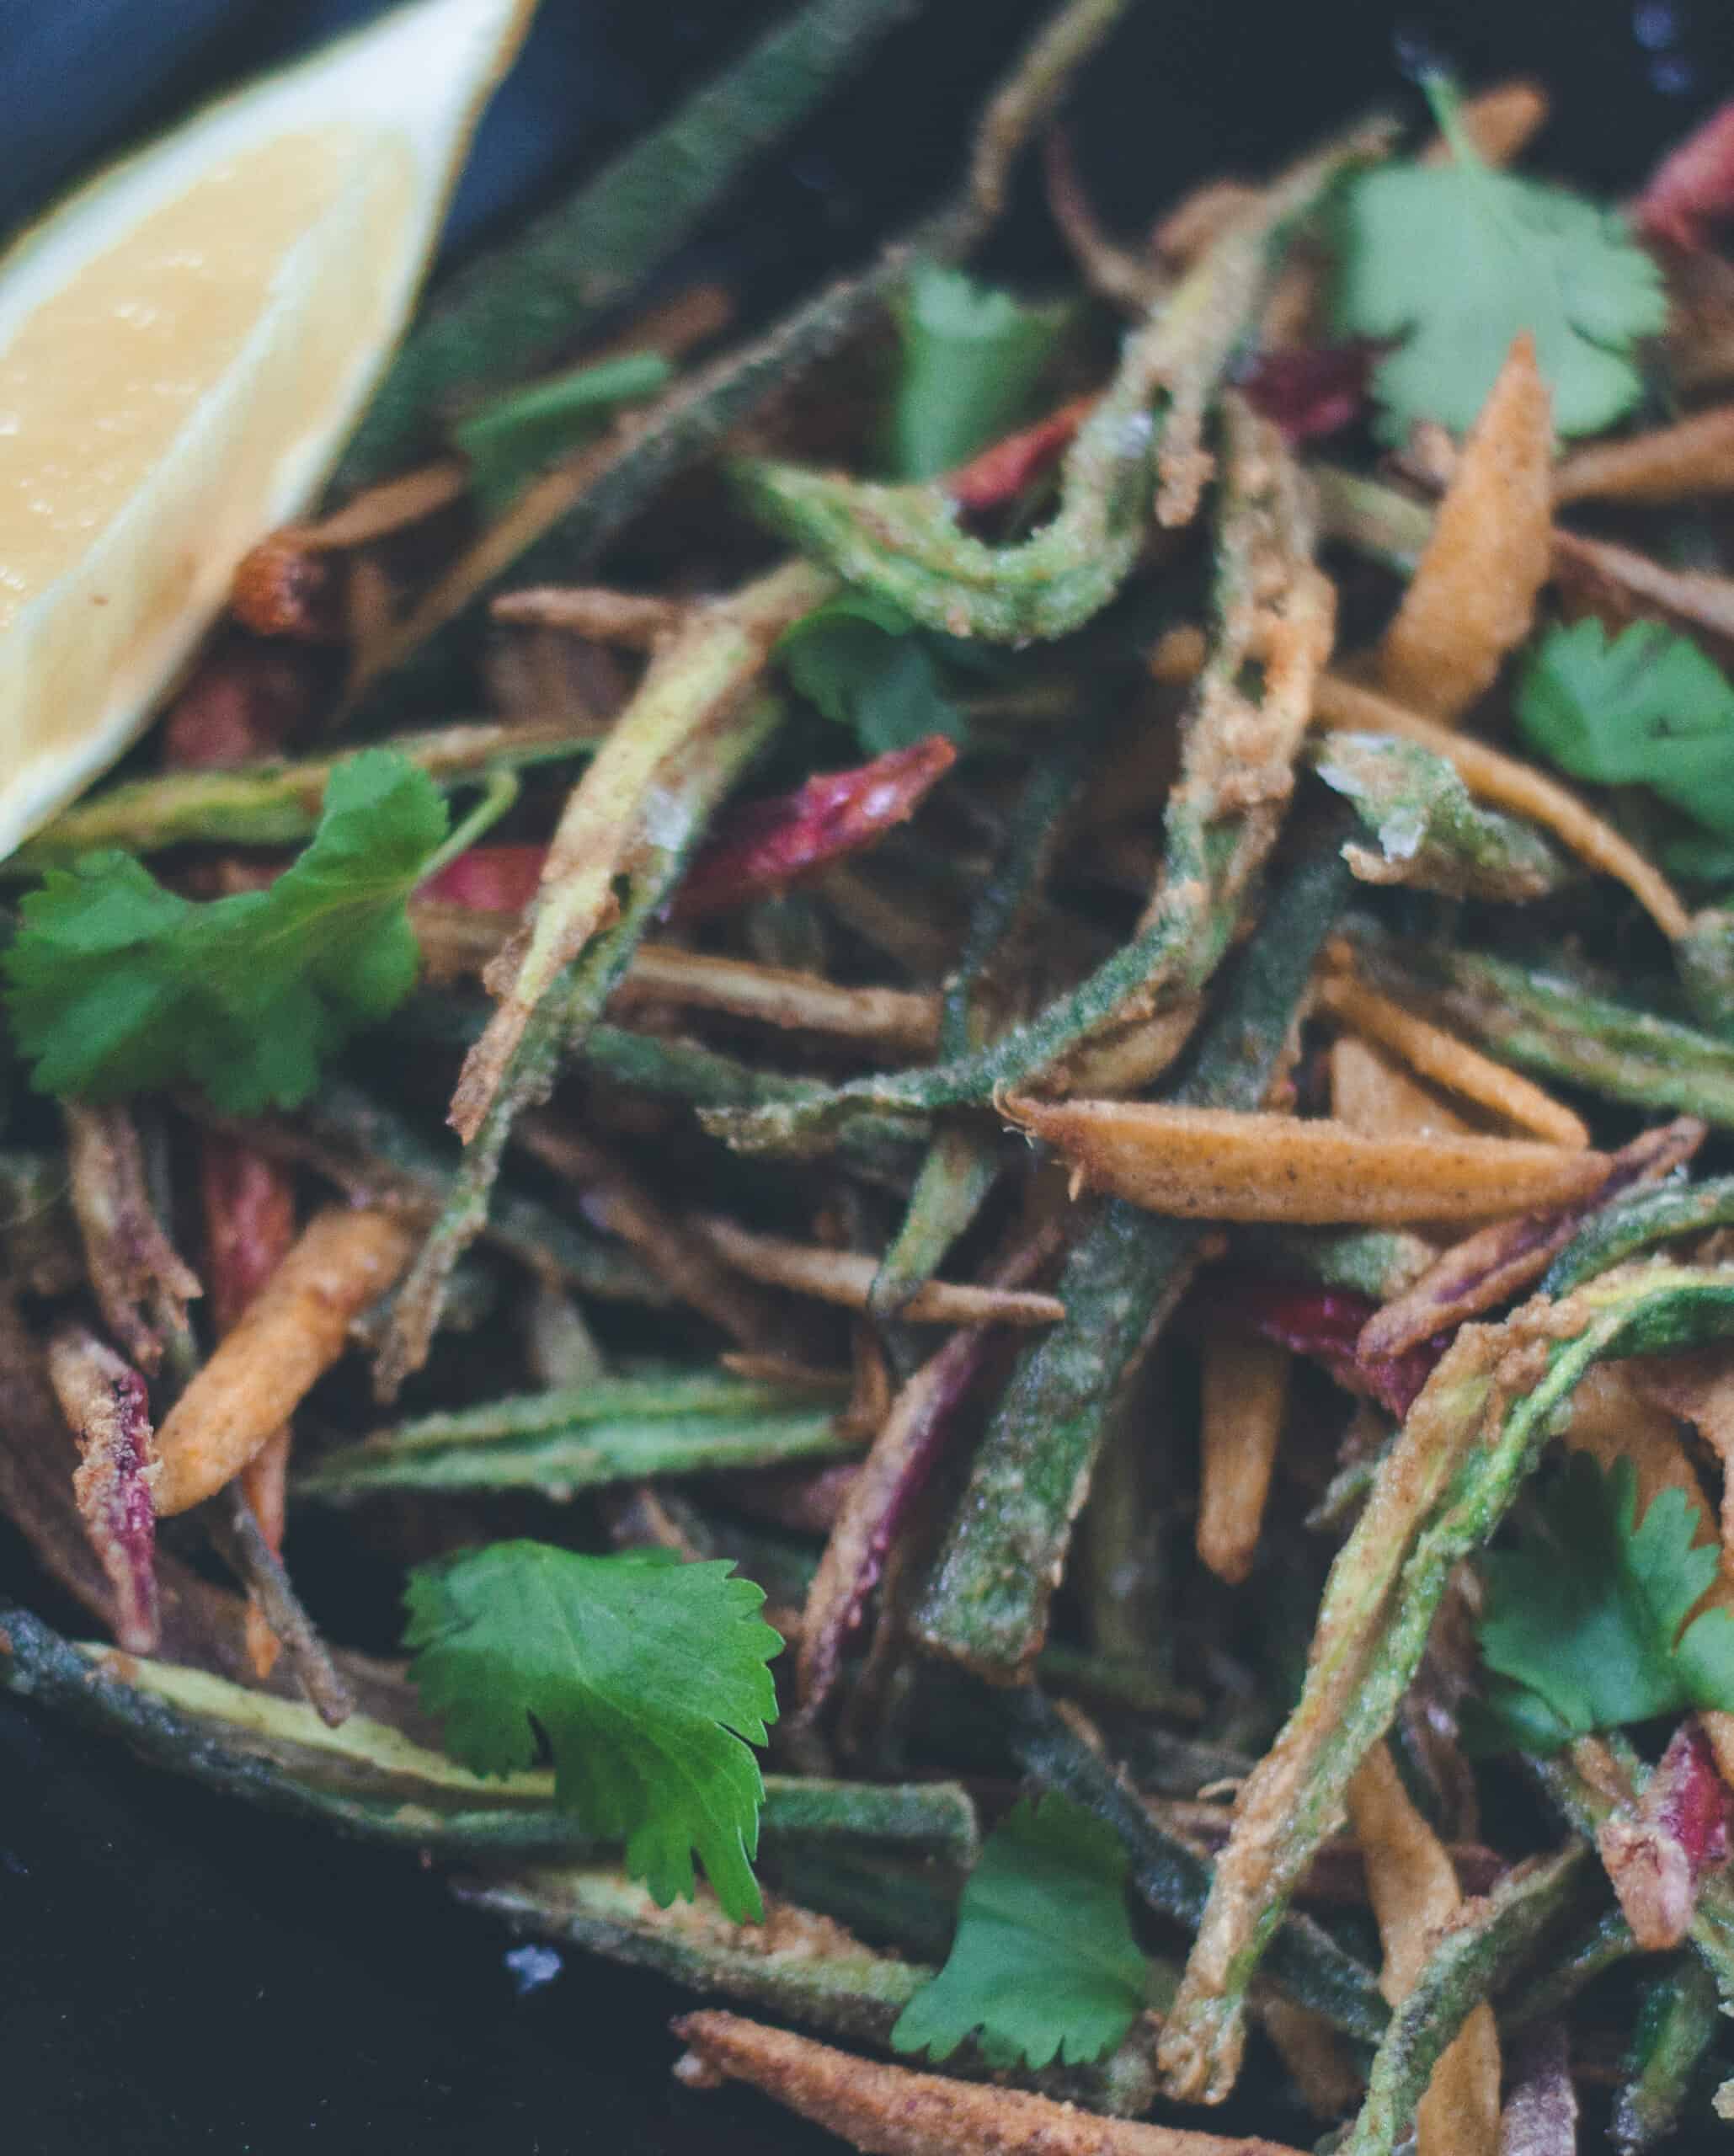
x=177 y=1975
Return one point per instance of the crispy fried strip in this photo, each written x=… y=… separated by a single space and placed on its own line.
x=1451 y=1063
x=133 y=1266
x=1415 y=1896
x=635 y=619
x=1500 y=121
x=236 y=1536
x=1472 y=597
x=1373 y=1095
x=617 y=1202
x=704 y=671
x=1683 y=462
x=1214 y=1164
x=1201 y=2045
x=457 y=940
x=1700 y=1387
x=909 y=1439
x=108 y=1411
x=776 y=995
x=1614 y=1416
x=378 y=511
x=1697 y=598
x=1491 y=1265
x=1246 y=1393
x=846 y=1276
x=288 y=1337
x=1121 y=275
x=1492 y=776
x=888 y=2110
x=1319 y=2062
x=249 y=1201
x=1488 y=775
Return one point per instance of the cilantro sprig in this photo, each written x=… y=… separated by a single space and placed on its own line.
x=117 y=986
x=1586 y=1616
x=1455 y=260
x=970 y=355
x=1044 y=1964
x=647 y=1678
x=1648 y=708
x=865 y=665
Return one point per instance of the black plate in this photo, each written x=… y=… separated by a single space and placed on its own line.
x=177 y=1974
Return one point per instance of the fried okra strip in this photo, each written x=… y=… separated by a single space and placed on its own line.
x=1441 y=1491
x=1138 y=453
x=987 y=1603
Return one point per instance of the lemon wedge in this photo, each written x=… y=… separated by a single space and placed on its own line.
x=184 y=345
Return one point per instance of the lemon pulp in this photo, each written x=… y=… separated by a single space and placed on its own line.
x=111 y=369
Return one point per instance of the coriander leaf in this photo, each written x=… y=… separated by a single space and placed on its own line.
x=508 y=441
x=865 y=665
x=1584 y=1615
x=116 y=985
x=646 y=1677
x=1648 y=708
x=1455 y=259
x=1044 y=1962
x=970 y=356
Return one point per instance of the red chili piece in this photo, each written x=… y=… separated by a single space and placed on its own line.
x=1694 y=185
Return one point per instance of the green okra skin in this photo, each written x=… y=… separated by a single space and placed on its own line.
x=986 y=1605
x=884 y=1148
x=693 y=777
x=1133 y=1684
x=1383 y=1591
x=962 y=1162
x=1174 y=1879
x=904 y=545
x=1678 y=2024
x=277 y=804
x=1377 y=1261
x=1620 y=1230
x=909 y=1904
x=514 y=309
x=1705 y=956
x=698 y=418
x=687 y=1396
x=821 y=1983
x=369 y=1778
x=1583 y=1957
x=931 y=1819
x=1236 y=762
x=959 y=1168
x=1587 y=1801
x=1389 y=528
x=560 y=1463
x=1469 y=1965
x=1545 y=1023
x=818 y=1978
x=1427 y=831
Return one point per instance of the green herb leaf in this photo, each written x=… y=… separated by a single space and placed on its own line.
x=1044 y=1964
x=118 y=986
x=1584 y=1615
x=647 y=1678
x=971 y=354
x=865 y=665
x=1648 y=708
x=511 y=441
x=1456 y=259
